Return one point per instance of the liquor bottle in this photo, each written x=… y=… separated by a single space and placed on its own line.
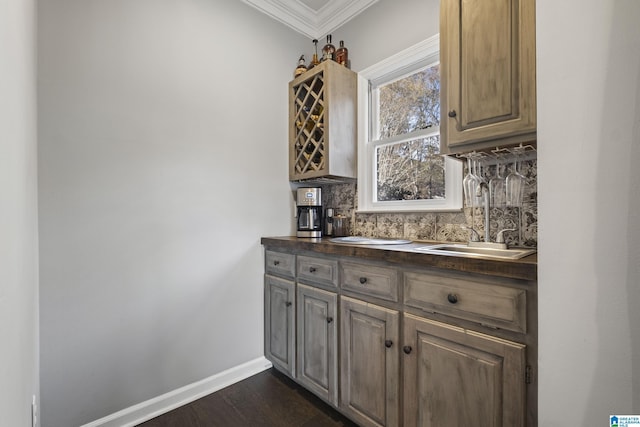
x=314 y=60
x=301 y=68
x=342 y=55
x=328 y=50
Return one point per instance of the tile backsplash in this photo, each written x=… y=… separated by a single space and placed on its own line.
x=442 y=226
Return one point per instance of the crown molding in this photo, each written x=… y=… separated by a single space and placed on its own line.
x=307 y=21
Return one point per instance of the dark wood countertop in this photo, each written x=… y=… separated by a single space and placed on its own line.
x=524 y=268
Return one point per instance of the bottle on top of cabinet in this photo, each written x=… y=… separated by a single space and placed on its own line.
x=300 y=68
x=314 y=59
x=329 y=50
x=342 y=55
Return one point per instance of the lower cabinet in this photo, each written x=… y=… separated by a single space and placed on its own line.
x=369 y=376
x=355 y=335
x=464 y=377
x=317 y=341
x=279 y=323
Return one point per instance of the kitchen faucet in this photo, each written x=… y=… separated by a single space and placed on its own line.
x=483 y=191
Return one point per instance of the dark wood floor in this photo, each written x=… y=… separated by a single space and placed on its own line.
x=266 y=399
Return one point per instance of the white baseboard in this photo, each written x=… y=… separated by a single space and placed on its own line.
x=152 y=408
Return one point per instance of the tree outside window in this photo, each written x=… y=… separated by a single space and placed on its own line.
x=399 y=163
x=410 y=170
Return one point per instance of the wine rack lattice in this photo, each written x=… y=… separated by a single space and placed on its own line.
x=309 y=147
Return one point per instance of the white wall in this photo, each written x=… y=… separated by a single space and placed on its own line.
x=144 y=146
x=589 y=210
x=162 y=161
x=18 y=214
x=386 y=28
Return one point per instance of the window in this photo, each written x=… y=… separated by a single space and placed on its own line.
x=399 y=166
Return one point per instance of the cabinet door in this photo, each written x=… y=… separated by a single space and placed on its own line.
x=317 y=364
x=487 y=53
x=459 y=377
x=279 y=323
x=369 y=363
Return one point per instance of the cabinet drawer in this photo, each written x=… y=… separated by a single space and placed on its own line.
x=318 y=270
x=381 y=282
x=469 y=299
x=280 y=263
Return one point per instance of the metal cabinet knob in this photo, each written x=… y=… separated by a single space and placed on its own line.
x=388 y=343
x=288 y=303
x=407 y=349
x=329 y=319
x=452 y=113
x=276 y=262
x=312 y=269
x=452 y=298
x=363 y=280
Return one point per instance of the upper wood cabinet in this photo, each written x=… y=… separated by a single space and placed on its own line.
x=488 y=80
x=322 y=123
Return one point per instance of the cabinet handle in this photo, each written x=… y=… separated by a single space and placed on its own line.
x=363 y=280
x=452 y=113
x=388 y=343
x=329 y=319
x=288 y=303
x=407 y=349
x=312 y=269
x=452 y=298
x=276 y=262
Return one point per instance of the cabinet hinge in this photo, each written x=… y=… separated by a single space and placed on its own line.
x=528 y=375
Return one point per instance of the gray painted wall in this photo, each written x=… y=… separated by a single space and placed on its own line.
x=18 y=214
x=386 y=28
x=162 y=161
x=139 y=166
x=589 y=181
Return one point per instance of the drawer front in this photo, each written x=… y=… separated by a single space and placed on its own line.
x=366 y=279
x=468 y=299
x=280 y=263
x=318 y=270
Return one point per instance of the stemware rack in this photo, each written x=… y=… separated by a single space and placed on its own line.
x=503 y=192
x=502 y=155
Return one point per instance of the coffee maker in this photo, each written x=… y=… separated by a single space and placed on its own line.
x=309 y=204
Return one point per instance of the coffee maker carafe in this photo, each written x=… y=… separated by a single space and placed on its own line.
x=309 y=204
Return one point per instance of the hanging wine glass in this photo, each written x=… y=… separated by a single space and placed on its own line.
x=466 y=184
x=497 y=187
x=480 y=179
x=470 y=183
x=515 y=182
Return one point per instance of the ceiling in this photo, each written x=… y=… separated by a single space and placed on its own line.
x=312 y=18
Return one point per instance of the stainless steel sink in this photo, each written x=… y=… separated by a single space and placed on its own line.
x=358 y=240
x=476 y=252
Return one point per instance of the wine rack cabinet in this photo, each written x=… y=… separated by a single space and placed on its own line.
x=322 y=124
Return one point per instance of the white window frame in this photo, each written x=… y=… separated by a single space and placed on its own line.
x=393 y=68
